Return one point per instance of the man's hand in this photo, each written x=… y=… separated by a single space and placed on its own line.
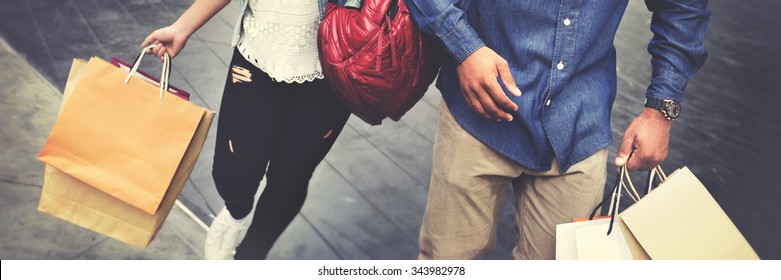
x=477 y=77
x=649 y=135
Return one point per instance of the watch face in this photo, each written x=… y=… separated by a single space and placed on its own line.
x=673 y=109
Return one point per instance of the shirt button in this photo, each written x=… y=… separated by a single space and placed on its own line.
x=560 y=65
x=567 y=22
x=547 y=103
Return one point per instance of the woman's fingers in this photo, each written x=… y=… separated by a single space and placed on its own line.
x=161 y=51
x=149 y=39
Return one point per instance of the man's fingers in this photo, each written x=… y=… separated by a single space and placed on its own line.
x=635 y=162
x=625 y=149
x=468 y=98
x=478 y=75
x=640 y=161
x=498 y=96
x=475 y=104
x=507 y=78
x=645 y=159
x=620 y=160
x=493 y=111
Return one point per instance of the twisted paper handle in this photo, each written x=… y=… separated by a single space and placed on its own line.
x=164 y=76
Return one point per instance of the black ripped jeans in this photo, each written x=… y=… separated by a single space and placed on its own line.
x=290 y=128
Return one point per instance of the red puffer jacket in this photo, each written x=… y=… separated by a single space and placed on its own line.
x=376 y=59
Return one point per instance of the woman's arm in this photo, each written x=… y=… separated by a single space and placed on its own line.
x=172 y=38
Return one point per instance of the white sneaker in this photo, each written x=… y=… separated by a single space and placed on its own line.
x=223 y=236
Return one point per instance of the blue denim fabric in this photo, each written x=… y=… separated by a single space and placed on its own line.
x=243 y=5
x=563 y=112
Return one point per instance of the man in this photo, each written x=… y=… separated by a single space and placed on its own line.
x=550 y=142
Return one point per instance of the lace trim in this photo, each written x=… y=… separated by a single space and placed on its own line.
x=280 y=38
x=303 y=79
x=293 y=70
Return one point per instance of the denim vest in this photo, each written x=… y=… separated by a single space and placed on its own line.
x=244 y=5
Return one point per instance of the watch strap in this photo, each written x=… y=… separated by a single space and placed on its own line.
x=663 y=106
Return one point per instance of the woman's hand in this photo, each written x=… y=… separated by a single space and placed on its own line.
x=171 y=39
x=168 y=39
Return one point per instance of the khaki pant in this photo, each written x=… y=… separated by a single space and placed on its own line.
x=468 y=183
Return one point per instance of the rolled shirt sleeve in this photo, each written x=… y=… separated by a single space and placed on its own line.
x=677 y=48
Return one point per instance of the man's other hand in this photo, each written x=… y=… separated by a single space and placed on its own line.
x=477 y=76
x=649 y=135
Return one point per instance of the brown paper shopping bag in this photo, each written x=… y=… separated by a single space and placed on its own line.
x=121 y=136
x=68 y=198
x=79 y=203
x=681 y=220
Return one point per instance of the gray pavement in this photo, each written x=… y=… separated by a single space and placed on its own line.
x=28 y=109
x=367 y=198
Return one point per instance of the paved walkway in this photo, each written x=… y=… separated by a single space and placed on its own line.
x=367 y=198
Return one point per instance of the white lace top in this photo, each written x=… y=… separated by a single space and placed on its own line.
x=280 y=38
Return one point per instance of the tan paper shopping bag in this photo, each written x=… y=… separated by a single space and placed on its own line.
x=68 y=198
x=588 y=240
x=681 y=220
x=122 y=138
x=638 y=253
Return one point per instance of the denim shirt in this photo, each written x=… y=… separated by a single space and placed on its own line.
x=244 y=5
x=562 y=57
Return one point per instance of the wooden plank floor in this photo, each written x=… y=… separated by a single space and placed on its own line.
x=366 y=200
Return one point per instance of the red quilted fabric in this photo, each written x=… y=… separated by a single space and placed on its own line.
x=376 y=59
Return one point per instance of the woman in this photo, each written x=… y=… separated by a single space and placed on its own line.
x=276 y=110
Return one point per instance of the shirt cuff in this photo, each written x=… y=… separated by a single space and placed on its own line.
x=462 y=41
x=667 y=84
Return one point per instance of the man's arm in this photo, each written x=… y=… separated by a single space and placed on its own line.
x=677 y=51
x=477 y=65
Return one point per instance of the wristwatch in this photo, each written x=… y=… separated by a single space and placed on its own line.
x=671 y=109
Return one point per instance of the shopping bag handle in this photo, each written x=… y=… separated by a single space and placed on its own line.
x=621 y=182
x=163 y=76
x=653 y=174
